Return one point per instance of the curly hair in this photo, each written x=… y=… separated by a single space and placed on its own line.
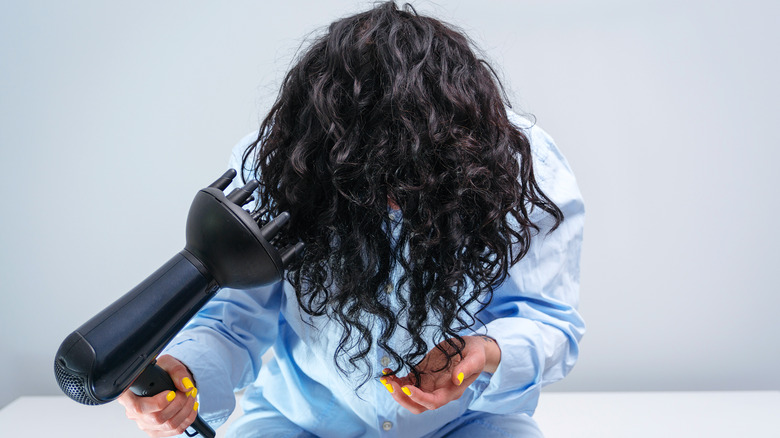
x=392 y=107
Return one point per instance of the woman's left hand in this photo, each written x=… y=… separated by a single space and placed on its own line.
x=437 y=388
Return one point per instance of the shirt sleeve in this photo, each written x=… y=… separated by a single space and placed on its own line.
x=224 y=343
x=533 y=315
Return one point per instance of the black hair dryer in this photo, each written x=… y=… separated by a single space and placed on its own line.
x=226 y=247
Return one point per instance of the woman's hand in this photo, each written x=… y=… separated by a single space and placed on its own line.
x=168 y=413
x=437 y=388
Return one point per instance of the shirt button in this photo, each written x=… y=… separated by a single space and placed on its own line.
x=387 y=425
x=385 y=361
x=389 y=288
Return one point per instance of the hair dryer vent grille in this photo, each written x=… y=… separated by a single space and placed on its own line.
x=72 y=385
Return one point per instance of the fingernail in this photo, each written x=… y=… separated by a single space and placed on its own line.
x=383 y=380
x=406 y=390
x=460 y=378
x=390 y=388
x=193 y=392
x=171 y=395
x=385 y=371
x=195 y=406
x=187 y=383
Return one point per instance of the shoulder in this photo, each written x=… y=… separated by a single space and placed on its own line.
x=237 y=154
x=551 y=169
x=546 y=156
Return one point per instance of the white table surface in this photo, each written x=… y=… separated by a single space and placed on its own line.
x=660 y=414
x=561 y=415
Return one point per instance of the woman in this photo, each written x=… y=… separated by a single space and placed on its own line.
x=438 y=288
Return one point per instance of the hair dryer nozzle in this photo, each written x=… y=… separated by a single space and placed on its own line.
x=271 y=228
x=291 y=252
x=223 y=181
x=258 y=215
x=242 y=196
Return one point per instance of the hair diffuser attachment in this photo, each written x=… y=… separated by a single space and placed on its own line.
x=226 y=246
x=230 y=242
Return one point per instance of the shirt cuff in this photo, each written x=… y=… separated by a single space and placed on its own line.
x=215 y=392
x=516 y=384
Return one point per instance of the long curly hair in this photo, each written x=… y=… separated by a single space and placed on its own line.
x=392 y=108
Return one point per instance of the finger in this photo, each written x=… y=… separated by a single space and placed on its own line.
x=170 y=416
x=406 y=380
x=387 y=381
x=140 y=406
x=395 y=386
x=442 y=395
x=471 y=365
x=464 y=370
x=400 y=394
x=421 y=398
x=179 y=373
x=171 y=421
x=165 y=414
x=128 y=400
x=181 y=418
x=190 y=418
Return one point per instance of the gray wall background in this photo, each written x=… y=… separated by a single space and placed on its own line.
x=112 y=116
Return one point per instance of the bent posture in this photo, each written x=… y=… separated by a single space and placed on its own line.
x=437 y=293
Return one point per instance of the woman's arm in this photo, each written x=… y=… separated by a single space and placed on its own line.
x=532 y=328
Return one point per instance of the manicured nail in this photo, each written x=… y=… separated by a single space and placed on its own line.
x=383 y=380
x=390 y=388
x=195 y=406
x=187 y=383
x=460 y=378
x=385 y=371
x=192 y=392
x=406 y=390
x=171 y=395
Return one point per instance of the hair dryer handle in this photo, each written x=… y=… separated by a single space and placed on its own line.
x=154 y=380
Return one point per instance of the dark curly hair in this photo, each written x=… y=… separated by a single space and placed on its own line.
x=391 y=106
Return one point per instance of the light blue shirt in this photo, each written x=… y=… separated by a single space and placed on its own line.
x=532 y=316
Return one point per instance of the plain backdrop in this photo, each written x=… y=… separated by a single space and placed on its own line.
x=114 y=114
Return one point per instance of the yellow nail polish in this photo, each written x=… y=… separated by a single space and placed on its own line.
x=187 y=383
x=385 y=372
x=383 y=380
x=195 y=406
x=460 y=378
x=171 y=395
x=192 y=392
x=390 y=388
x=406 y=390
